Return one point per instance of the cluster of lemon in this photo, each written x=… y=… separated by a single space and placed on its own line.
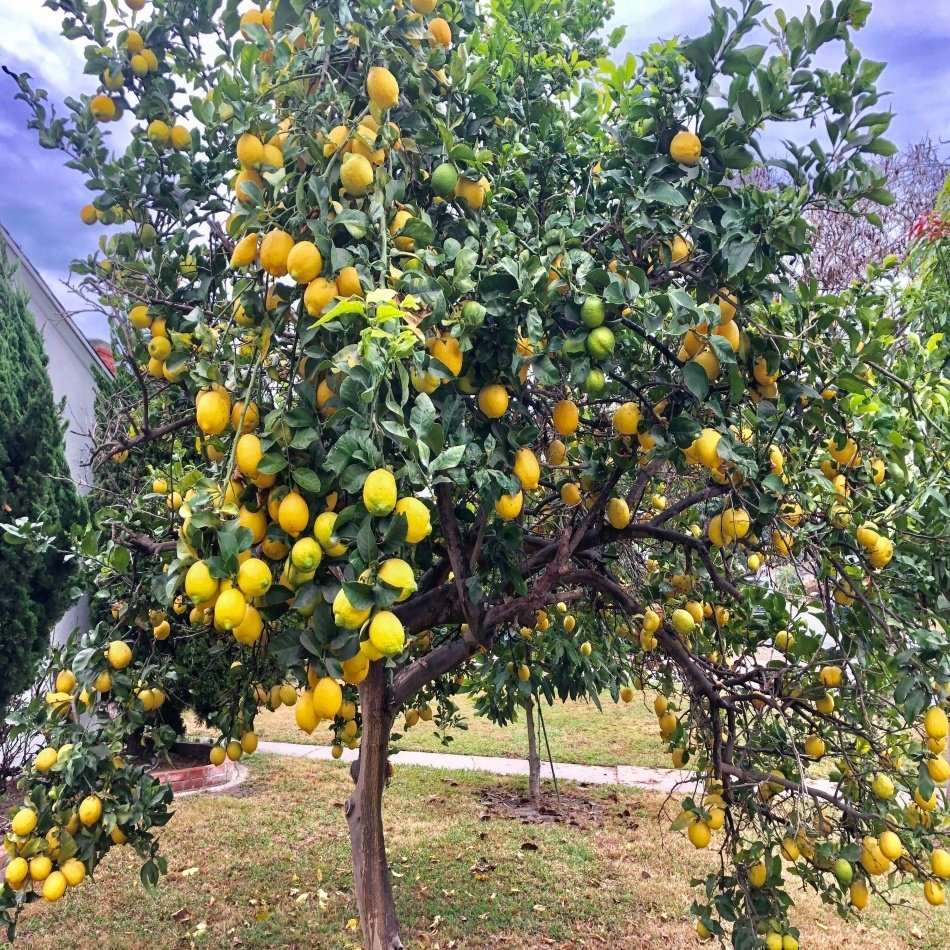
x=881 y=853
x=66 y=698
x=140 y=62
x=696 y=345
x=45 y=856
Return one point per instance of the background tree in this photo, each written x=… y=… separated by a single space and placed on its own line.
x=845 y=243
x=558 y=657
x=35 y=486
x=379 y=259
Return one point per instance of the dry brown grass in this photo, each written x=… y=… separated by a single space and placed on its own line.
x=465 y=876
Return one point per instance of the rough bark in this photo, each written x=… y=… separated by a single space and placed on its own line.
x=364 y=815
x=534 y=757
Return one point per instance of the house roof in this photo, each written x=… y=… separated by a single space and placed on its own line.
x=63 y=325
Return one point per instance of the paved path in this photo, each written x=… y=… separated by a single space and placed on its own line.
x=656 y=780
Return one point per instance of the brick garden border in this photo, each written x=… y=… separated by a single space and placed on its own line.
x=194 y=778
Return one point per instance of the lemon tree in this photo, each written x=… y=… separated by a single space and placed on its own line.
x=448 y=318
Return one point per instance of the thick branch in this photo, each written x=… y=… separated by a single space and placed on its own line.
x=460 y=567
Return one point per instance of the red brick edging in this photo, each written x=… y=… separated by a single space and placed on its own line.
x=195 y=777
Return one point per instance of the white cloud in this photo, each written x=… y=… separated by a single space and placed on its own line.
x=31 y=40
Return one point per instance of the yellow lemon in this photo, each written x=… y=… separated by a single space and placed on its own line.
x=16 y=872
x=327 y=698
x=627 y=419
x=90 y=810
x=242 y=180
x=200 y=586
x=346 y=615
x=275 y=250
x=249 y=630
x=74 y=871
x=250 y=151
x=685 y=149
x=379 y=492
x=398 y=573
x=935 y=723
x=418 y=519
x=401 y=218
x=618 y=513
x=24 y=821
x=566 y=417
x=54 y=886
x=758 y=874
x=493 y=400
x=355 y=669
x=571 y=494
x=509 y=506
x=356 y=175
x=245 y=251
x=304 y=712
x=699 y=834
x=320 y=293
x=386 y=633
x=306 y=555
x=304 y=262
x=248 y=454
x=348 y=283
x=933 y=893
x=118 y=654
x=103 y=108
x=254 y=577
x=229 y=609
x=472 y=192
x=526 y=469
x=213 y=411
x=293 y=513
x=382 y=88
x=447 y=351
x=323 y=532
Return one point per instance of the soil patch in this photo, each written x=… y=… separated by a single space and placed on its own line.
x=566 y=808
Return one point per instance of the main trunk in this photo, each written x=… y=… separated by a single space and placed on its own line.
x=364 y=815
x=534 y=759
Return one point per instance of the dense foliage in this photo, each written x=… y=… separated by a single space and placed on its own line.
x=469 y=321
x=35 y=488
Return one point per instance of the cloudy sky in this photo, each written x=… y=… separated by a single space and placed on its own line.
x=40 y=199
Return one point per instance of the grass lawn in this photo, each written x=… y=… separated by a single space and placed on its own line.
x=268 y=866
x=578 y=732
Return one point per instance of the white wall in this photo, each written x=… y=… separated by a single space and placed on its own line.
x=72 y=363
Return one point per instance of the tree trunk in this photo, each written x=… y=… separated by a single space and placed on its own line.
x=364 y=815
x=534 y=758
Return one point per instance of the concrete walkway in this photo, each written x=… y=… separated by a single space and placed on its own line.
x=654 y=780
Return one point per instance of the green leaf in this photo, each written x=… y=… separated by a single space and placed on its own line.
x=664 y=193
x=356 y=222
x=420 y=232
x=696 y=380
x=422 y=416
x=272 y=463
x=307 y=479
x=881 y=196
x=881 y=147
x=366 y=542
x=448 y=459
x=359 y=595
